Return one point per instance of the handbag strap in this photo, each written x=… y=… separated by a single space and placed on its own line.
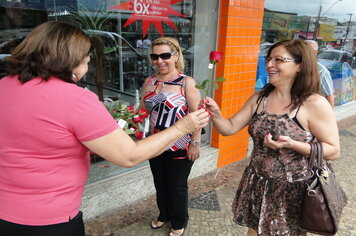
x=316 y=156
x=312 y=156
x=320 y=155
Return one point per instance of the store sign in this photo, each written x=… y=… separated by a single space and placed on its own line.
x=326 y=32
x=339 y=33
x=149 y=11
x=275 y=21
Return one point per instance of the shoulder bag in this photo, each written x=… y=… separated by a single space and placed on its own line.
x=324 y=198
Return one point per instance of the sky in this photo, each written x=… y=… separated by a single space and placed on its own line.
x=339 y=11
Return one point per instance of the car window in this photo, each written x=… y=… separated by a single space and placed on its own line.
x=329 y=55
x=344 y=58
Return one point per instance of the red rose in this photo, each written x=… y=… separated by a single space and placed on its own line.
x=142 y=113
x=215 y=56
x=133 y=127
x=130 y=109
x=138 y=119
x=139 y=135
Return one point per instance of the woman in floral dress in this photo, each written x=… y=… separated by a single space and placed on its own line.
x=283 y=118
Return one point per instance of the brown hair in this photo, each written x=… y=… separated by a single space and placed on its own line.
x=307 y=81
x=51 y=49
x=175 y=48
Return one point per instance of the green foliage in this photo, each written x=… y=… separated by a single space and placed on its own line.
x=110 y=49
x=94 y=20
x=207 y=84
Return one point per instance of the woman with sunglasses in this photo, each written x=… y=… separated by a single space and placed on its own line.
x=49 y=124
x=170 y=95
x=283 y=118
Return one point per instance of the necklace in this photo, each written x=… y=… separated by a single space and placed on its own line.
x=160 y=80
x=162 y=83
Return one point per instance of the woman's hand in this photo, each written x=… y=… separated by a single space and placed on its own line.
x=193 y=152
x=210 y=106
x=192 y=122
x=282 y=142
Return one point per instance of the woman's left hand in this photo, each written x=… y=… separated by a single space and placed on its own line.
x=193 y=152
x=282 y=142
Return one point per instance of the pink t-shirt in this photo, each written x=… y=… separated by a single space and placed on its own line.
x=43 y=164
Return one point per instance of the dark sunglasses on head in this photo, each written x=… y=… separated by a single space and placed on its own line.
x=163 y=56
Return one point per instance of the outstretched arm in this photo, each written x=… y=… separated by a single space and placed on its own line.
x=118 y=148
x=234 y=124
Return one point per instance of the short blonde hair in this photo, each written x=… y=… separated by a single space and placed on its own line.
x=175 y=48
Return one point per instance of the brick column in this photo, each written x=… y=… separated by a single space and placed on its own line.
x=239 y=33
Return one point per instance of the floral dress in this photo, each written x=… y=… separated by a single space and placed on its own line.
x=268 y=198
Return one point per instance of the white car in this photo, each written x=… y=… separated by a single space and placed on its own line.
x=335 y=55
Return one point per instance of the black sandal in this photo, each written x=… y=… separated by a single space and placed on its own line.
x=154 y=224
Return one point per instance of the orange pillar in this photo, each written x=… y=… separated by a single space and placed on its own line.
x=239 y=34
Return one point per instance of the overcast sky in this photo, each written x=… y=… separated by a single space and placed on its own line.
x=311 y=7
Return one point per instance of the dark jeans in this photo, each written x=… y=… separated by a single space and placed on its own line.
x=170 y=172
x=74 y=227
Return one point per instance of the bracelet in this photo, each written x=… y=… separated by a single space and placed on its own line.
x=196 y=143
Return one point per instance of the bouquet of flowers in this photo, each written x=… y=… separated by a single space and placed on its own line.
x=128 y=119
x=206 y=85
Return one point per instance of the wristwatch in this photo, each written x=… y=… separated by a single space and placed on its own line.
x=196 y=143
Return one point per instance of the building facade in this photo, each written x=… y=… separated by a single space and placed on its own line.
x=241 y=29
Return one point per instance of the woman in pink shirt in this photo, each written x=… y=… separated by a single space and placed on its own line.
x=49 y=124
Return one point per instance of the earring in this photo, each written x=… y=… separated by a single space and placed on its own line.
x=75 y=77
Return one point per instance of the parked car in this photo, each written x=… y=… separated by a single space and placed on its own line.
x=9 y=39
x=325 y=47
x=336 y=56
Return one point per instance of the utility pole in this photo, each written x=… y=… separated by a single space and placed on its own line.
x=55 y=10
x=347 y=29
x=306 y=36
x=317 y=23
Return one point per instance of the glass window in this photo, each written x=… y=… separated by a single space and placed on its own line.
x=119 y=64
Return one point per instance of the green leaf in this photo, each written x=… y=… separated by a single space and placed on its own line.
x=204 y=83
x=110 y=49
x=220 y=79
x=128 y=131
x=216 y=86
x=123 y=106
x=199 y=87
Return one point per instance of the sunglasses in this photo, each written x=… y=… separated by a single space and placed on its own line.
x=163 y=56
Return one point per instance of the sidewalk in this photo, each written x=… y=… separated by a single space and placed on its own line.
x=211 y=196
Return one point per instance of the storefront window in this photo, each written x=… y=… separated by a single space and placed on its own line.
x=119 y=64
